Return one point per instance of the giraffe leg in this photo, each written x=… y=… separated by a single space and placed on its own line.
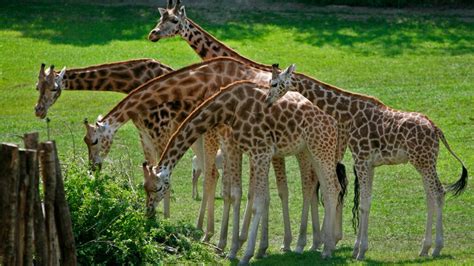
x=434 y=200
x=198 y=149
x=331 y=188
x=248 y=208
x=211 y=176
x=307 y=186
x=236 y=197
x=225 y=213
x=365 y=174
x=196 y=174
x=317 y=237
x=427 y=241
x=262 y=249
x=282 y=185
x=231 y=175
x=261 y=163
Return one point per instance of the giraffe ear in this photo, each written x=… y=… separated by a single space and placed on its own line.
x=162 y=11
x=288 y=71
x=182 y=12
x=41 y=73
x=61 y=74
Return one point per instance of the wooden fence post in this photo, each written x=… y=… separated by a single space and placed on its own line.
x=31 y=170
x=21 y=207
x=9 y=165
x=63 y=218
x=48 y=173
x=41 y=241
x=31 y=140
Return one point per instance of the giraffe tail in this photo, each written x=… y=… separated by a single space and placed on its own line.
x=342 y=178
x=460 y=185
x=355 y=208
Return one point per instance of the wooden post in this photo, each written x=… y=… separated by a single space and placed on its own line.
x=9 y=167
x=63 y=218
x=21 y=207
x=48 y=173
x=31 y=170
x=31 y=140
x=41 y=241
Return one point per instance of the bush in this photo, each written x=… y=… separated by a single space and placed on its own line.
x=110 y=227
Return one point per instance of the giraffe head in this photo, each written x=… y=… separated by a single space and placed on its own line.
x=49 y=86
x=98 y=139
x=280 y=83
x=171 y=23
x=157 y=183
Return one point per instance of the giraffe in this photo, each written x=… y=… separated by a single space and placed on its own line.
x=158 y=106
x=290 y=126
x=174 y=22
x=118 y=76
x=379 y=135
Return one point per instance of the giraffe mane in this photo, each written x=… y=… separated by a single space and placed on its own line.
x=94 y=67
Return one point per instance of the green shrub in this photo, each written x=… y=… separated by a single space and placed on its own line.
x=110 y=227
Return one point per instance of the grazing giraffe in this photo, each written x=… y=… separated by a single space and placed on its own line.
x=174 y=22
x=290 y=126
x=379 y=135
x=157 y=107
x=118 y=77
x=121 y=77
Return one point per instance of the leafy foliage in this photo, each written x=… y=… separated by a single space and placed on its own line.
x=110 y=226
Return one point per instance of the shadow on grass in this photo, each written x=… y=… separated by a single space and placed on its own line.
x=342 y=255
x=389 y=35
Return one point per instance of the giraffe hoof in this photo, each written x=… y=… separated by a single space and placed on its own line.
x=360 y=257
x=299 y=249
x=436 y=253
x=285 y=249
x=316 y=246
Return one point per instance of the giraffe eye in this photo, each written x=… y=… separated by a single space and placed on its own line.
x=274 y=85
x=174 y=20
x=95 y=142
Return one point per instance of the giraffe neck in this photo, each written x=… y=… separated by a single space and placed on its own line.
x=338 y=103
x=169 y=98
x=119 y=77
x=207 y=46
x=216 y=110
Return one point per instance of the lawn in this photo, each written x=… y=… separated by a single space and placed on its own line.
x=412 y=60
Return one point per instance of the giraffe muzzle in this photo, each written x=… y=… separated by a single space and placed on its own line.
x=154 y=35
x=40 y=112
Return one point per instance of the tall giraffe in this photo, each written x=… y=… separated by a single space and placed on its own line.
x=291 y=126
x=174 y=22
x=379 y=135
x=157 y=107
x=332 y=100
x=118 y=77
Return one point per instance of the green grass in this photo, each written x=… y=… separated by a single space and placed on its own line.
x=411 y=61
